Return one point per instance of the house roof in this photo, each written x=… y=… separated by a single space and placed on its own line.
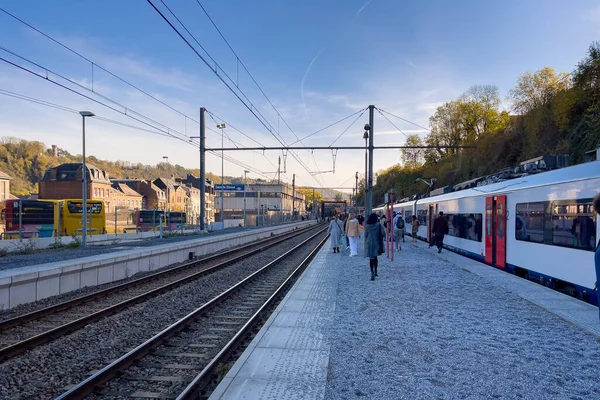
x=4 y=175
x=123 y=188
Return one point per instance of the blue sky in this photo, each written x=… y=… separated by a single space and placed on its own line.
x=318 y=62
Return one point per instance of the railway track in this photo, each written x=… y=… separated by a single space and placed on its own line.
x=178 y=362
x=28 y=331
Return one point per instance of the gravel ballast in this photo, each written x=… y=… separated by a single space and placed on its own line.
x=429 y=329
x=46 y=371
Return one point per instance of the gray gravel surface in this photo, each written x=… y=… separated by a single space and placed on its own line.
x=212 y=332
x=46 y=371
x=427 y=329
x=47 y=256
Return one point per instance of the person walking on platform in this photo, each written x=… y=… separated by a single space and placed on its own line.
x=440 y=228
x=415 y=228
x=398 y=230
x=335 y=230
x=597 y=253
x=346 y=218
x=353 y=233
x=373 y=233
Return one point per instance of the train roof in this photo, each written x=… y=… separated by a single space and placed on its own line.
x=578 y=172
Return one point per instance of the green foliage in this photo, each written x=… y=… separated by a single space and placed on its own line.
x=555 y=116
x=27 y=162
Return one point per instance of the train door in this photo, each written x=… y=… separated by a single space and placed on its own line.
x=495 y=231
x=431 y=214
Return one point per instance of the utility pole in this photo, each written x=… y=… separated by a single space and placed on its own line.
x=279 y=172
x=369 y=205
x=356 y=189
x=313 y=203
x=293 y=194
x=202 y=160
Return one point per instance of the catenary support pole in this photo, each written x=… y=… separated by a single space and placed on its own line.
x=369 y=207
x=202 y=173
x=293 y=194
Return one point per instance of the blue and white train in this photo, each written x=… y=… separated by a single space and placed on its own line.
x=541 y=227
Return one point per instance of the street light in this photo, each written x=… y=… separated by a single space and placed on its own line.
x=245 y=172
x=221 y=127
x=84 y=181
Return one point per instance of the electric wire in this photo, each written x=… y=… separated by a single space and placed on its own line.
x=345 y=130
x=253 y=110
x=401 y=131
x=94 y=64
x=405 y=120
x=329 y=126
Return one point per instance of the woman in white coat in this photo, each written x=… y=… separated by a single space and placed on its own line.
x=336 y=229
x=353 y=233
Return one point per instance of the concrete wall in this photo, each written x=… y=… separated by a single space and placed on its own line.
x=29 y=284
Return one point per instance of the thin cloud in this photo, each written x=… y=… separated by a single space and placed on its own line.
x=362 y=8
x=304 y=80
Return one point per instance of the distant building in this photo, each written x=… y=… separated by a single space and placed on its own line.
x=153 y=198
x=124 y=197
x=209 y=195
x=5 y=186
x=176 y=195
x=64 y=182
x=260 y=199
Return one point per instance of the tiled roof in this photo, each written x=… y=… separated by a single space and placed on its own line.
x=4 y=175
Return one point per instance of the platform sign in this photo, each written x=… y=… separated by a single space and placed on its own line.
x=230 y=188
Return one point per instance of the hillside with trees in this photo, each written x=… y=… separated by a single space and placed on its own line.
x=552 y=113
x=26 y=162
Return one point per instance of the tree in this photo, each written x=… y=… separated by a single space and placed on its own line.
x=308 y=196
x=413 y=158
x=534 y=90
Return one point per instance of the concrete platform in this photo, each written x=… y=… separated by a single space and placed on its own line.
x=430 y=326
x=29 y=284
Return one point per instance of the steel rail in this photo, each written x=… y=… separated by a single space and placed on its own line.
x=112 y=370
x=45 y=337
x=207 y=374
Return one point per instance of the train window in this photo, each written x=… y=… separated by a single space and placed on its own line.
x=488 y=220
x=465 y=226
x=574 y=224
x=500 y=214
x=408 y=216
x=422 y=217
x=529 y=222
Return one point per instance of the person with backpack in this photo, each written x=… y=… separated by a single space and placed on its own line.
x=398 y=230
x=415 y=228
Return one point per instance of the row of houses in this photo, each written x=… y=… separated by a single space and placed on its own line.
x=174 y=194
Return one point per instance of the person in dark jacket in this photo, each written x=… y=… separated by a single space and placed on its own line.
x=440 y=228
x=373 y=233
x=597 y=252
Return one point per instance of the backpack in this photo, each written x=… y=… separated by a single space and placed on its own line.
x=400 y=223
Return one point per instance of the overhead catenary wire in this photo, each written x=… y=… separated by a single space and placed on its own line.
x=249 y=105
x=394 y=125
x=345 y=130
x=405 y=120
x=96 y=65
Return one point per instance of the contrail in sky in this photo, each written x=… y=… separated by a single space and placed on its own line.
x=317 y=56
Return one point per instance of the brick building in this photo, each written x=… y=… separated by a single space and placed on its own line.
x=64 y=182
x=209 y=195
x=175 y=192
x=153 y=197
x=124 y=197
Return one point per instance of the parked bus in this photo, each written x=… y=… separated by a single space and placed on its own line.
x=30 y=218
x=175 y=220
x=149 y=220
x=72 y=210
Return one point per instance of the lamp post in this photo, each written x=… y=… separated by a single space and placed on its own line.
x=429 y=184
x=245 y=172
x=366 y=137
x=84 y=181
x=221 y=127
